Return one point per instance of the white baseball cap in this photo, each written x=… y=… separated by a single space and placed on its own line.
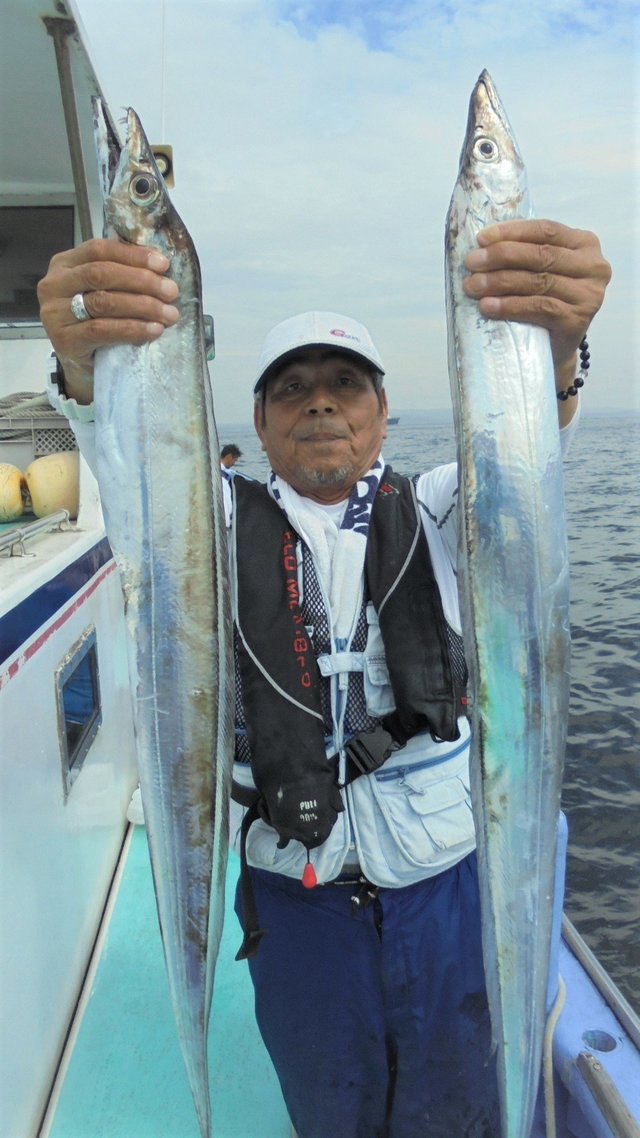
x=315 y=329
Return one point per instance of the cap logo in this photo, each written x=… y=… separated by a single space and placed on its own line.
x=343 y=334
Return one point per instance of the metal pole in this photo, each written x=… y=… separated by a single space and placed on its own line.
x=60 y=30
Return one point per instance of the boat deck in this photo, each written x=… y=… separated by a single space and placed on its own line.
x=122 y=1075
x=125 y=1077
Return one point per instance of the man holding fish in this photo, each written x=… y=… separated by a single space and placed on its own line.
x=351 y=769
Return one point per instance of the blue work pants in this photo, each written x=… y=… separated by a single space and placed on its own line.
x=376 y=1020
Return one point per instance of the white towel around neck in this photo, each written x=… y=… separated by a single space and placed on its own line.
x=336 y=535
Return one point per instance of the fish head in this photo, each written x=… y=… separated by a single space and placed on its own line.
x=137 y=207
x=492 y=179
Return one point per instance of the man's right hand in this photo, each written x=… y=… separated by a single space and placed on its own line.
x=125 y=291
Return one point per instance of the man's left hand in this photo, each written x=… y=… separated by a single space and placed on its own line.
x=540 y=272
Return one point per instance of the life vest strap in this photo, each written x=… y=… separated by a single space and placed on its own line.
x=253 y=934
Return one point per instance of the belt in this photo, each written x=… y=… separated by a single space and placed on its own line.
x=364 y=891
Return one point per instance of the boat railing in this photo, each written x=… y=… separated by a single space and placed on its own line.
x=13 y=541
x=611 y=994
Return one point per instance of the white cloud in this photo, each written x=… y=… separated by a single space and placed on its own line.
x=315 y=158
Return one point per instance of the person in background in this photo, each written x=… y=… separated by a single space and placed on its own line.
x=352 y=812
x=229 y=455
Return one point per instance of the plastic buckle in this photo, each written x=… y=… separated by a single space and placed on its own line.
x=369 y=749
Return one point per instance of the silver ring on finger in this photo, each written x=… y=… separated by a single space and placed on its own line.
x=79 y=308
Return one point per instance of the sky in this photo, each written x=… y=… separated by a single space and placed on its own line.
x=316 y=146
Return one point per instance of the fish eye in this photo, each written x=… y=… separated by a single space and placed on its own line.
x=144 y=189
x=485 y=149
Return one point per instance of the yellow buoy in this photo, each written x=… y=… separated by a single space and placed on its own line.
x=11 y=492
x=53 y=483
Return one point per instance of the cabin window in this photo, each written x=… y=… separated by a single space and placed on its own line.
x=29 y=237
x=209 y=337
x=79 y=706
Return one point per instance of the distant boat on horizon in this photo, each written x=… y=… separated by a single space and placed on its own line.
x=393 y=422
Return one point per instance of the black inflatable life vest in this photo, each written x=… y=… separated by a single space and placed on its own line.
x=297 y=788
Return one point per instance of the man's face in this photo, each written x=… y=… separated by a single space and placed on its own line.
x=322 y=423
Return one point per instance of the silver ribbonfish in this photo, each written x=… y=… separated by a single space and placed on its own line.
x=159 y=479
x=514 y=587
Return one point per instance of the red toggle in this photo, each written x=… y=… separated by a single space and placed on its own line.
x=309 y=879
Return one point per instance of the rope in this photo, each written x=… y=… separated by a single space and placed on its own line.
x=23 y=404
x=17 y=412
x=547 y=1058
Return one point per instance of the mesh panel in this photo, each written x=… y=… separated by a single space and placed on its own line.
x=356 y=717
x=52 y=440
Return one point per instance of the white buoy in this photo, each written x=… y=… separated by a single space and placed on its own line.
x=53 y=483
x=11 y=492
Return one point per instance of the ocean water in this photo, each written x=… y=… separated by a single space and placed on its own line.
x=601 y=795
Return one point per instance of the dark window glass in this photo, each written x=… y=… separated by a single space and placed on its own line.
x=79 y=708
x=80 y=701
x=29 y=236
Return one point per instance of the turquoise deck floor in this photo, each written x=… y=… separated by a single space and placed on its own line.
x=126 y=1077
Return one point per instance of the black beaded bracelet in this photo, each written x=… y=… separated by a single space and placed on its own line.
x=582 y=374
